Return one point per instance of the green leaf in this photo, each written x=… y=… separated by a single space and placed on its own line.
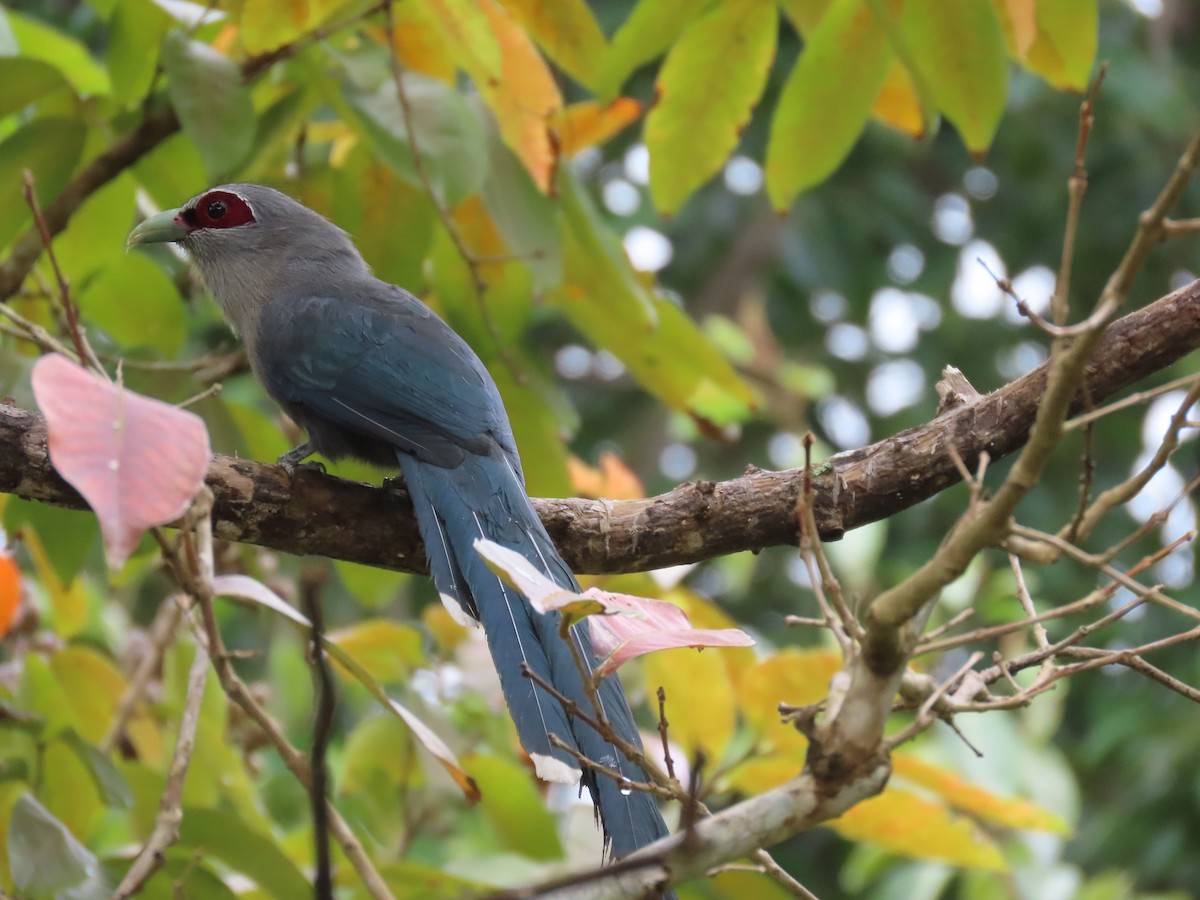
x=826 y=100
x=527 y=219
x=182 y=876
x=367 y=195
x=114 y=789
x=389 y=651
x=69 y=56
x=513 y=806
x=172 y=171
x=41 y=694
x=258 y=856
x=596 y=268
x=24 y=80
x=135 y=27
x=449 y=134
x=691 y=132
x=568 y=33
x=75 y=533
x=959 y=48
x=95 y=235
x=1065 y=47
x=213 y=106
x=45 y=857
x=137 y=305
x=50 y=148
x=650 y=29
x=662 y=347
x=380 y=745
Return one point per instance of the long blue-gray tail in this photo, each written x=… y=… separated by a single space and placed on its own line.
x=484 y=497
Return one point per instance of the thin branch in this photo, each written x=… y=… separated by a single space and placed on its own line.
x=170 y=806
x=162 y=633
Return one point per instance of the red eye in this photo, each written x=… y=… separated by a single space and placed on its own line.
x=219 y=209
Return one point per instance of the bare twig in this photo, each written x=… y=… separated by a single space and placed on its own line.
x=170 y=806
x=162 y=633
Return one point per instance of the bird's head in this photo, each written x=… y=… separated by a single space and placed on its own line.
x=253 y=244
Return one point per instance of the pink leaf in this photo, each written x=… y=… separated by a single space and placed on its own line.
x=138 y=462
x=635 y=626
x=622 y=626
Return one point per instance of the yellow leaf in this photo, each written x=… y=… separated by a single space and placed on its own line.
x=267 y=24
x=387 y=650
x=763 y=773
x=446 y=632
x=1007 y=811
x=701 y=706
x=94 y=686
x=585 y=124
x=68 y=602
x=795 y=677
x=420 y=45
x=567 y=31
x=904 y=823
x=705 y=614
x=466 y=32
x=509 y=73
x=1065 y=47
x=898 y=103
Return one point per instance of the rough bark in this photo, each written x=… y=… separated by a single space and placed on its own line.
x=317 y=514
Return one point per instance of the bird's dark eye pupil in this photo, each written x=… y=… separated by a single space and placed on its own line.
x=216 y=209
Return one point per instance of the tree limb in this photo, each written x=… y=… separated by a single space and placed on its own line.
x=318 y=514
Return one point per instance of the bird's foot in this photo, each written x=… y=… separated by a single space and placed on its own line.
x=294 y=460
x=394 y=484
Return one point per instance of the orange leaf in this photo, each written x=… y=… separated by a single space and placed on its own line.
x=904 y=823
x=583 y=125
x=1010 y=812
x=613 y=480
x=138 y=462
x=524 y=97
x=10 y=591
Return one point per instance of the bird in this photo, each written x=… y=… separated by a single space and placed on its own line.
x=371 y=372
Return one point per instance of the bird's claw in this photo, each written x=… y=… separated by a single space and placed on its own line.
x=294 y=461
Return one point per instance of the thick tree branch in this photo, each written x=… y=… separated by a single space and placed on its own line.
x=317 y=514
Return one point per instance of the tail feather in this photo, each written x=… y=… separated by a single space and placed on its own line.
x=484 y=497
